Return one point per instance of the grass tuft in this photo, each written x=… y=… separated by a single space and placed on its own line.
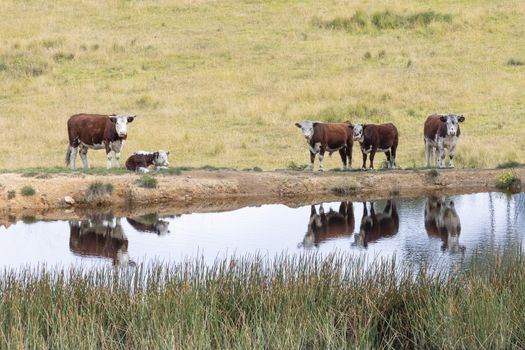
x=514 y=62
x=508 y=164
x=11 y=194
x=27 y=191
x=296 y=167
x=147 y=181
x=98 y=189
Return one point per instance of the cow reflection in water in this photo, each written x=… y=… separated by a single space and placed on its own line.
x=442 y=221
x=326 y=226
x=100 y=236
x=150 y=223
x=376 y=226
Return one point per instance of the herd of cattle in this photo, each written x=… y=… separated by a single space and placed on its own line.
x=109 y=132
x=441 y=131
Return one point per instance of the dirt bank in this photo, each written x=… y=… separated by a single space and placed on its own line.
x=202 y=190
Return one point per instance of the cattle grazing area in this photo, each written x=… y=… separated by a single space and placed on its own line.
x=223 y=83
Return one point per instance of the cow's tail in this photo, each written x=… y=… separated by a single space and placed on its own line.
x=68 y=154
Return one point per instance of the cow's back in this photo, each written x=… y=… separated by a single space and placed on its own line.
x=383 y=135
x=432 y=126
x=332 y=133
x=88 y=128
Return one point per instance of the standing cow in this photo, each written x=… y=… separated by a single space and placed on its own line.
x=96 y=131
x=441 y=131
x=328 y=137
x=373 y=138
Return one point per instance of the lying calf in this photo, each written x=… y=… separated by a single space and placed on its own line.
x=140 y=161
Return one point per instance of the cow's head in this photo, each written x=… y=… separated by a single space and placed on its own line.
x=307 y=127
x=161 y=158
x=121 y=123
x=359 y=132
x=452 y=122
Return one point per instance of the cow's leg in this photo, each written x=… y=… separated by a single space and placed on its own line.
x=441 y=155
x=348 y=149
x=312 y=160
x=117 y=147
x=372 y=155
x=388 y=159
x=451 y=155
x=428 y=151
x=321 y=157
x=108 y=155
x=342 y=153
x=393 y=151
x=363 y=167
x=83 y=156
x=73 y=157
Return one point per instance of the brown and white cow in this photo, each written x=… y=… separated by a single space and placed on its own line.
x=328 y=137
x=441 y=131
x=373 y=138
x=376 y=226
x=323 y=227
x=96 y=131
x=101 y=237
x=442 y=221
x=141 y=161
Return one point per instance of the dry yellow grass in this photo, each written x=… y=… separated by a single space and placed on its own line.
x=222 y=82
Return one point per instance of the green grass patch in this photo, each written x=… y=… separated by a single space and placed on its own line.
x=147 y=181
x=382 y=20
x=27 y=191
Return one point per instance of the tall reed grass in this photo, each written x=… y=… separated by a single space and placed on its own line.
x=289 y=302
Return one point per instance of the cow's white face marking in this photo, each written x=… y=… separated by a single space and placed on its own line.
x=358 y=133
x=162 y=159
x=162 y=227
x=452 y=122
x=307 y=128
x=121 y=123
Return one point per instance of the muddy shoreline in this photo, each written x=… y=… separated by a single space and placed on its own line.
x=220 y=190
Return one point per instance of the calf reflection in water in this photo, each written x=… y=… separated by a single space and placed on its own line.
x=442 y=221
x=376 y=226
x=326 y=226
x=100 y=236
x=150 y=223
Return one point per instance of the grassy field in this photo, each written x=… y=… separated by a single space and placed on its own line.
x=289 y=303
x=222 y=82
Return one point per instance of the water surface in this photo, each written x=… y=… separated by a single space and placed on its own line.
x=441 y=230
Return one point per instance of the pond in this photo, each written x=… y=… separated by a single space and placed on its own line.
x=435 y=230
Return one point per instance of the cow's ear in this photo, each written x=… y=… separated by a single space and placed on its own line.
x=350 y=125
x=113 y=118
x=461 y=119
x=364 y=126
x=314 y=124
x=156 y=154
x=443 y=118
x=130 y=119
x=298 y=125
x=167 y=153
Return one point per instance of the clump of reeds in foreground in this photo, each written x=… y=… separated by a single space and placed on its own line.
x=287 y=302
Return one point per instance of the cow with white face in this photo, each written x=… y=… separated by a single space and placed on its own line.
x=441 y=131
x=328 y=137
x=96 y=131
